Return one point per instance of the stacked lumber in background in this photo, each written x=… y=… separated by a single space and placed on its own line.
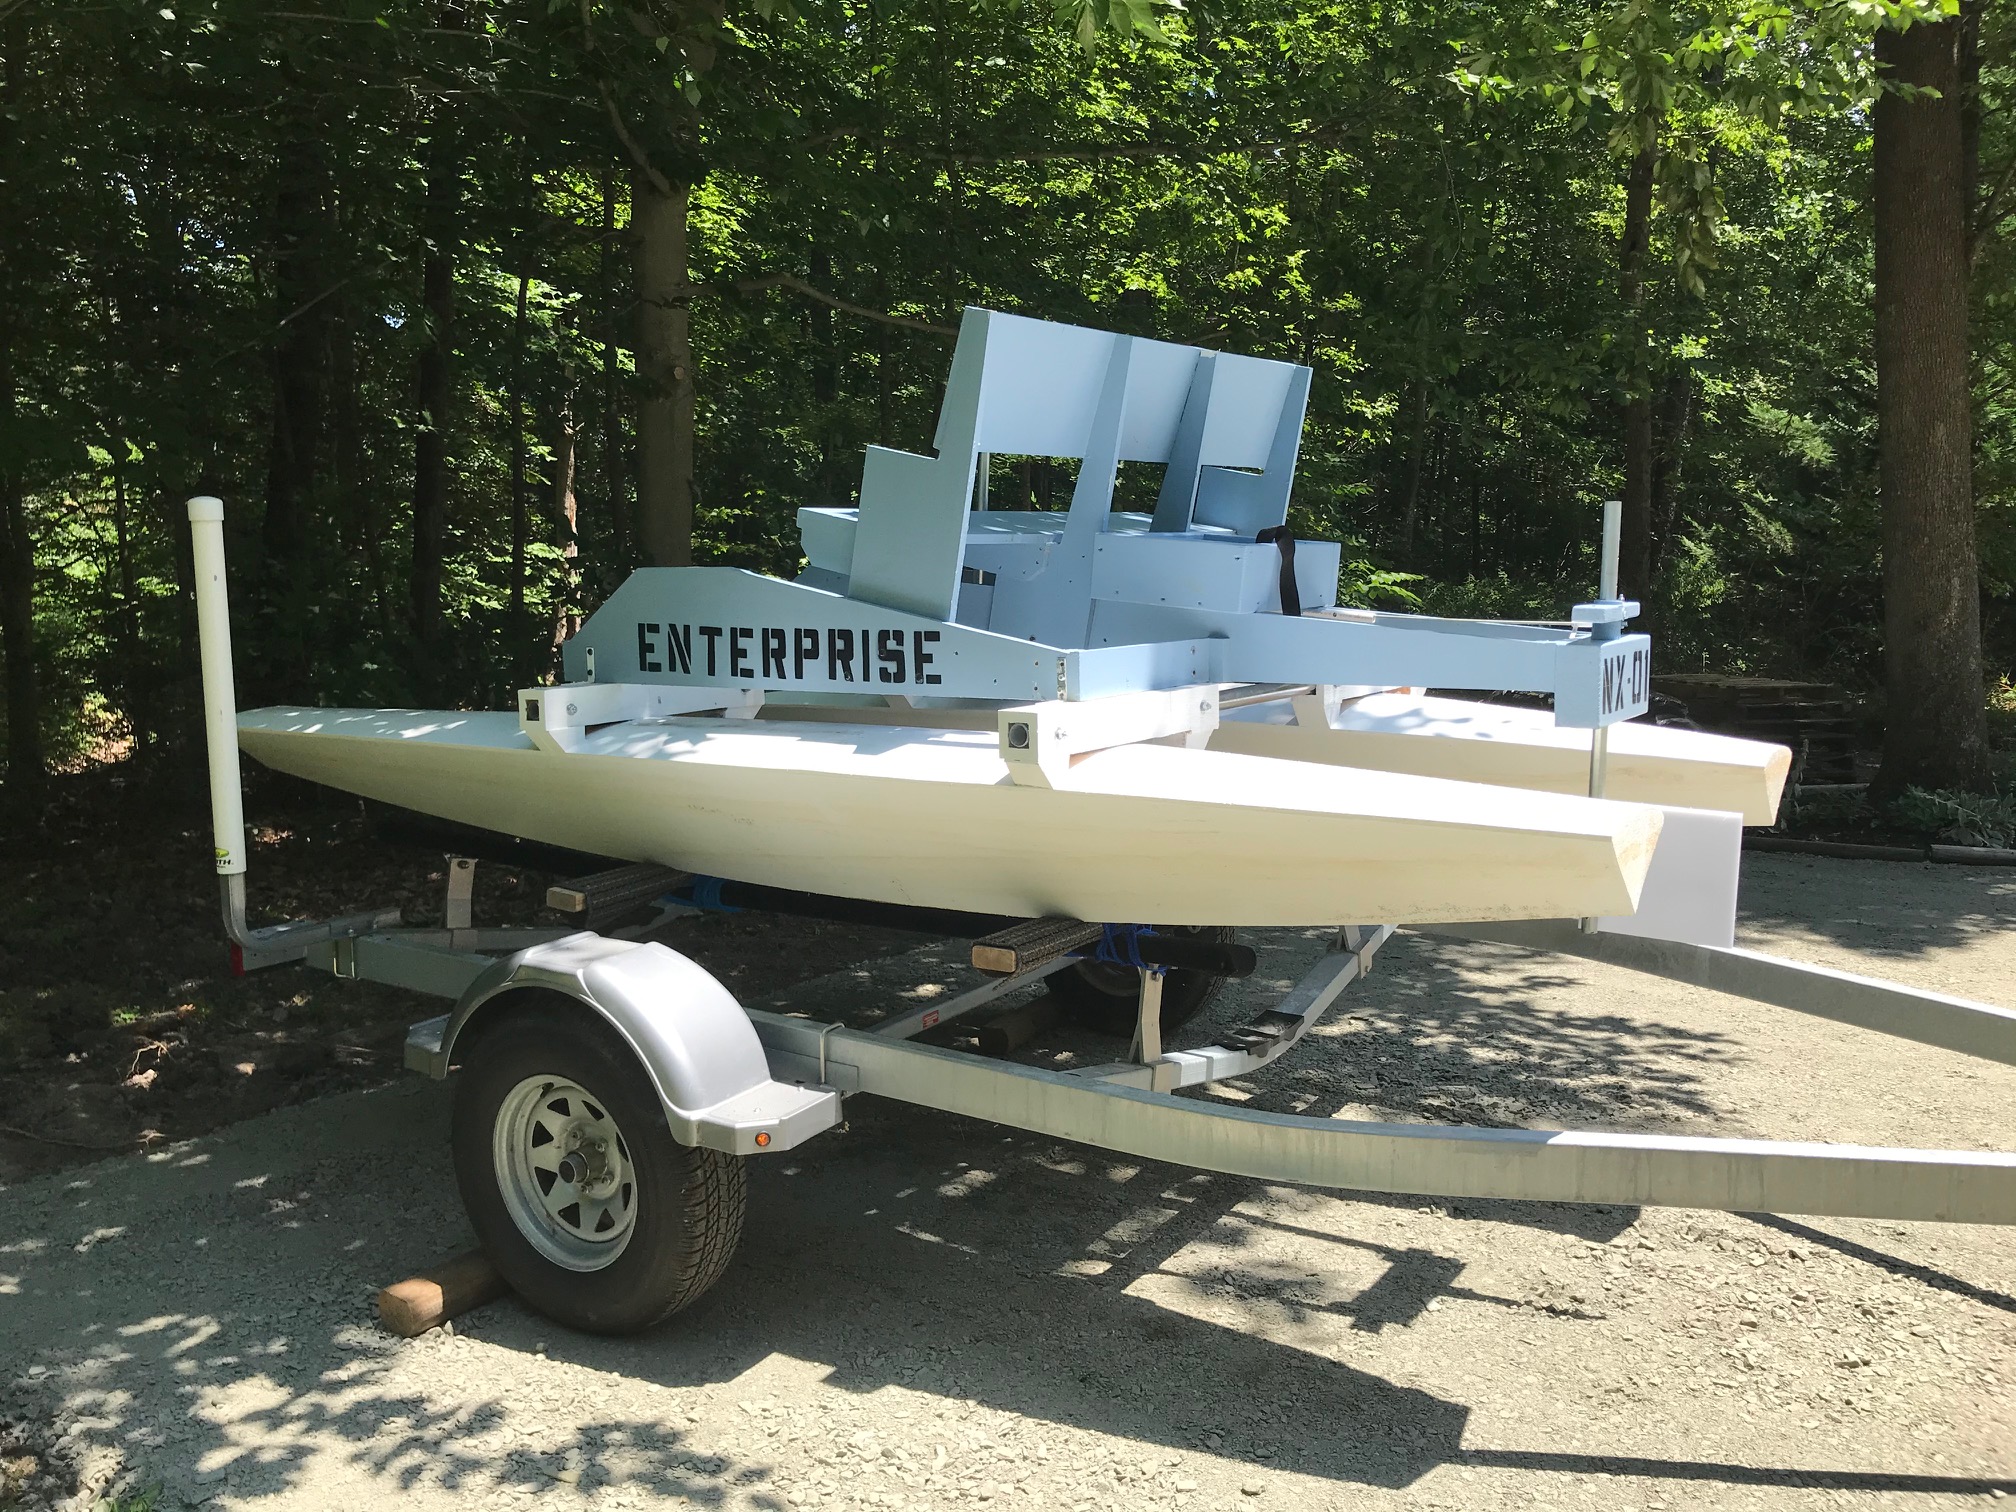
x=1817 y=720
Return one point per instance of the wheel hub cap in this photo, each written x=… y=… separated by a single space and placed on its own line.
x=565 y=1172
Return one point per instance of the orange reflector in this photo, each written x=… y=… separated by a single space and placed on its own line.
x=762 y=1140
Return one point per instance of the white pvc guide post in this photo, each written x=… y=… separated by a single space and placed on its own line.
x=1613 y=536
x=220 y=696
x=1606 y=588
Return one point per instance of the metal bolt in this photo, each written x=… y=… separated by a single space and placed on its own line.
x=573 y=709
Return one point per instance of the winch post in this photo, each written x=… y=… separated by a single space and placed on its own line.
x=1606 y=589
x=281 y=942
x=220 y=695
x=220 y=710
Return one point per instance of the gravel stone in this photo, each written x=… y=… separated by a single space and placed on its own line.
x=929 y=1313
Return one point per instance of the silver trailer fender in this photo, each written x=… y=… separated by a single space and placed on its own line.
x=691 y=1036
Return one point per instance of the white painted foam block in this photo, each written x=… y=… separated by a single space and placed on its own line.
x=1520 y=748
x=1690 y=887
x=929 y=816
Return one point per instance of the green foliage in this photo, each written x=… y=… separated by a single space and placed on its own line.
x=1961 y=818
x=1423 y=204
x=1915 y=816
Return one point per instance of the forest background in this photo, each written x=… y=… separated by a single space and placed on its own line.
x=467 y=307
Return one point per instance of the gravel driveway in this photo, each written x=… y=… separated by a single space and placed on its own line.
x=929 y=1312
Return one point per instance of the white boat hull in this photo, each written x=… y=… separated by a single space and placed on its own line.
x=1461 y=740
x=1138 y=833
x=1521 y=748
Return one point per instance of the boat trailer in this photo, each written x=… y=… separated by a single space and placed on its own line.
x=645 y=989
x=609 y=1088
x=739 y=1082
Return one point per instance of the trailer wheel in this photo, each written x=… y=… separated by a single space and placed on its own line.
x=1107 y=999
x=581 y=1197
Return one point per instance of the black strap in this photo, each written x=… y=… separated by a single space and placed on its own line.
x=1284 y=540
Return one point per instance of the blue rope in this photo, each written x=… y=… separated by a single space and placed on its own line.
x=707 y=896
x=1120 y=945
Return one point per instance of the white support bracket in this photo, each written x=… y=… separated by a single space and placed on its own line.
x=559 y=717
x=1318 y=708
x=1040 y=740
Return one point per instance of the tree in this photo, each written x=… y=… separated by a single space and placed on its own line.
x=1935 y=729
x=1665 y=81
x=25 y=774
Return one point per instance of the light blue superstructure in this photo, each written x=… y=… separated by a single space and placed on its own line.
x=916 y=593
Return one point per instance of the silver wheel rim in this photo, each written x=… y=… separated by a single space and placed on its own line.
x=564 y=1172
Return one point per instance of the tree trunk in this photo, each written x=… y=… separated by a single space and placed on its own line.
x=300 y=347
x=664 y=356
x=25 y=772
x=1634 y=561
x=611 y=549
x=1935 y=723
x=1675 y=414
x=26 y=778
x=1410 y=478
x=436 y=383
x=520 y=526
x=566 y=514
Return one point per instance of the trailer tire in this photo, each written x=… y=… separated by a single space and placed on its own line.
x=1107 y=999
x=653 y=1222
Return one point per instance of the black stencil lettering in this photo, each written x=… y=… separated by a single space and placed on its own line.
x=773 y=652
x=738 y=652
x=712 y=635
x=804 y=648
x=647 y=651
x=889 y=652
x=679 y=646
x=840 y=654
x=920 y=658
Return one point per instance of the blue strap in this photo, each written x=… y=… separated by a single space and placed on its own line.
x=707 y=896
x=1120 y=945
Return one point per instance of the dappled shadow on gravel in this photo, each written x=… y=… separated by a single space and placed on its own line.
x=934 y=1261
x=1925 y=1275
x=1725 y=1474
x=207 y=1320
x=1464 y=1032
x=1898 y=909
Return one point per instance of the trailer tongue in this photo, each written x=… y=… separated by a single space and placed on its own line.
x=1037 y=732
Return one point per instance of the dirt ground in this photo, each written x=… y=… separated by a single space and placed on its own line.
x=934 y=1313
x=122 y=1026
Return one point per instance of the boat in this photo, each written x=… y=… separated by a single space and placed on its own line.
x=1108 y=715
x=1132 y=833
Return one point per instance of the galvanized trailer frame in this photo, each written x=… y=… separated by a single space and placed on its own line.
x=1129 y=1107
x=744 y=1081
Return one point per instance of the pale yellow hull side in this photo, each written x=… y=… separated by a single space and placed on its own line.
x=1142 y=833
x=1523 y=748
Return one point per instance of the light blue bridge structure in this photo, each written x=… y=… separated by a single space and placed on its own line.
x=923 y=593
